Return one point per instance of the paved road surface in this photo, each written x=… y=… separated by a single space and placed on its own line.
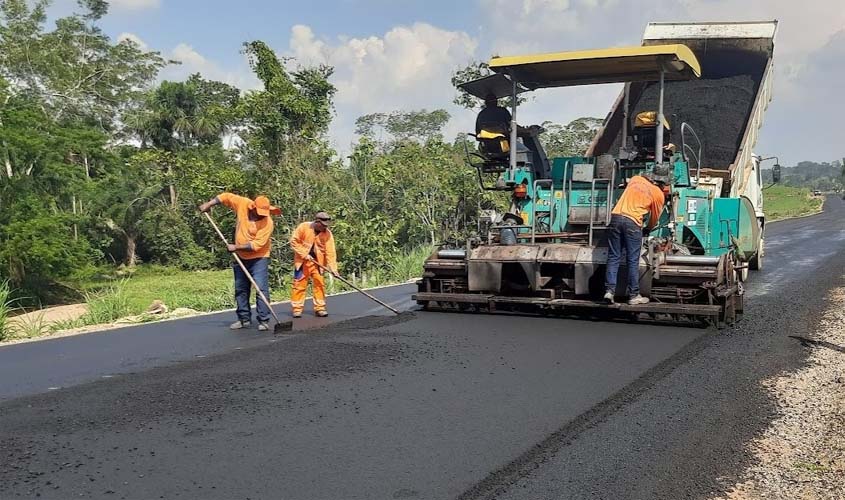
x=433 y=405
x=82 y=358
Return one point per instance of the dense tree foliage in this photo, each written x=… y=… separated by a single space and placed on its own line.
x=825 y=176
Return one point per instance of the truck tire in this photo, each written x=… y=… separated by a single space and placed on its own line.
x=756 y=262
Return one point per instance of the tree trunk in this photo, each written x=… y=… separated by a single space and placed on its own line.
x=75 y=229
x=7 y=161
x=87 y=167
x=131 y=257
x=171 y=187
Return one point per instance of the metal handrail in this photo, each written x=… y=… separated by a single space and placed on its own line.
x=699 y=158
x=692 y=153
x=593 y=205
x=477 y=166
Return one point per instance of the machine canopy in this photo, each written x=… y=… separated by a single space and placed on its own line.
x=496 y=84
x=588 y=67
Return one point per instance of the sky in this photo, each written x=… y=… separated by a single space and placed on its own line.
x=399 y=54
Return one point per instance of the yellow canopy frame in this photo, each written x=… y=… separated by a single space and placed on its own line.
x=589 y=67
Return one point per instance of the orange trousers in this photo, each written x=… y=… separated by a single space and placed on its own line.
x=318 y=288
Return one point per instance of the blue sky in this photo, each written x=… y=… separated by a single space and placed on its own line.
x=399 y=54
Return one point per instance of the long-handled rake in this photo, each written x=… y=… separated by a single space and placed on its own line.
x=341 y=278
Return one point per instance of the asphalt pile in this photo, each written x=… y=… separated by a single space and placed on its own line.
x=717 y=109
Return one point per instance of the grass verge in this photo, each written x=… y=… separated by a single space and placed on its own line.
x=785 y=202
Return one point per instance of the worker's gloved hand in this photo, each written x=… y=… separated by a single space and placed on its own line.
x=205 y=207
x=231 y=248
x=309 y=258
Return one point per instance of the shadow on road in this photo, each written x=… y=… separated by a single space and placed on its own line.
x=817 y=343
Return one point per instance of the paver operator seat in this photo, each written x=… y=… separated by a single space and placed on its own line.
x=644 y=135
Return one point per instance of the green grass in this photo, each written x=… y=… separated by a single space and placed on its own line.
x=5 y=310
x=133 y=294
x=107 y=304
x=784 y=202
x=30 y=327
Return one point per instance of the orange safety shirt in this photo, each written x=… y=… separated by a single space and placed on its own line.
x=305 y=238
x=641 y=197
x=256 y=233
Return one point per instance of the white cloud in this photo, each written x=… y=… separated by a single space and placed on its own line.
x=132 y=37
x=407 y=68
x=194 y=62
x=135 y=4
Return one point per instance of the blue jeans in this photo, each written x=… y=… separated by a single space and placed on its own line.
x=624 y=238
x=260 y=271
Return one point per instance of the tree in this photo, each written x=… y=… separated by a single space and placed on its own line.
x=177 y=116
x=571 y=139
x=74 y=71
x=421 y=125
x=292 y=107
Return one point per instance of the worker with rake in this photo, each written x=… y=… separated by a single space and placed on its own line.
x=313 y=252
x=253 y=231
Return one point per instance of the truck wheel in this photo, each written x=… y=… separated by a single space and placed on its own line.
x=756 y=262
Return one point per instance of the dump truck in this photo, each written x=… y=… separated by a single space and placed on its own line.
x=547 y=252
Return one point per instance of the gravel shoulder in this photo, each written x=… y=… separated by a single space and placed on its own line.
x=802 y=453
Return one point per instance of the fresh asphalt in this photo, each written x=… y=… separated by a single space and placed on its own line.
x=420 y=406
x=51 y=364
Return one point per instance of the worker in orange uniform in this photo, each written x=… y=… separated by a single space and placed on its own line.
x=312 y=242
x=642 y=196
x=252 y=243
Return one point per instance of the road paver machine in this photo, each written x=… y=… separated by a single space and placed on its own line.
x=547 y=253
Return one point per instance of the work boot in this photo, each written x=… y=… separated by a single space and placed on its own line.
x=637 y=300
x=237 y=325
x=263 y=326
x=297 y=314
x=321 y=314
x=608 y=297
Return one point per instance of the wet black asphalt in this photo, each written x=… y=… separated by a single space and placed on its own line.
x=83 y=358
x=427 y=405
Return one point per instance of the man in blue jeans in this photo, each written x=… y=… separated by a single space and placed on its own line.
x=253 y=233
x=642 y=196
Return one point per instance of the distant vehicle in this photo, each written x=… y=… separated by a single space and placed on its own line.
x=816 y=192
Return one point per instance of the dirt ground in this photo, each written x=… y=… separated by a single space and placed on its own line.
x=53 y=314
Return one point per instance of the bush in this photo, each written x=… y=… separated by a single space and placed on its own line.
x=39 y=247
x=167 y=239
x=406 y=266
x=31 y=326
x=5 y=309
x=107 y=305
